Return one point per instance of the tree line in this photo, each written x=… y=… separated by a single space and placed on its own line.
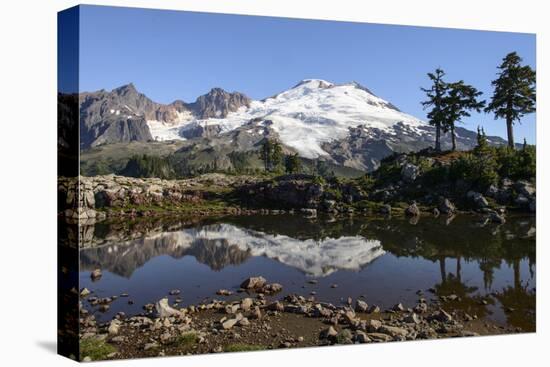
x=271 y=154
x=513 y=97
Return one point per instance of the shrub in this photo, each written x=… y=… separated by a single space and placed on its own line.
x=95 y=349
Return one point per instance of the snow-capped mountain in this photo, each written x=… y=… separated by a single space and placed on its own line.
x=344 y=124
x=305 y=117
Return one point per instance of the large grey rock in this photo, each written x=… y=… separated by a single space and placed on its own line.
x=477 y=199
x=164 y=309
x=446 y=206
x=409 y=172
x=253 y=283
x=412 y=210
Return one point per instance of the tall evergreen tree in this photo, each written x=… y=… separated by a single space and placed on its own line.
x=435 y=96
x=292 y=163
x=266 y=150
x=276 y=154
x=457 y=103
x=515 y=93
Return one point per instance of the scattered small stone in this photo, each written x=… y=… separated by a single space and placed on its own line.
x=398 y=308
x=84 y=292
x=361 y=337
x=174 y=292
x=228 y=324
x=374 y=309
x=150 y=346
x=224 y=292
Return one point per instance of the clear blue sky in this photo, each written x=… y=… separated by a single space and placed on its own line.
x=172 y=55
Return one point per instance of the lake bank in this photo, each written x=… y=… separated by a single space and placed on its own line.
x=251 y=322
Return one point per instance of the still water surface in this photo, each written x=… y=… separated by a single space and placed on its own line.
x=384 y=260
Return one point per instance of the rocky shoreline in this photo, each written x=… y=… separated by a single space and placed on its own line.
x=92 y=199
x=254 y=318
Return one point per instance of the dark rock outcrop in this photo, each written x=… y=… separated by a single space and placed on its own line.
x=218 y=103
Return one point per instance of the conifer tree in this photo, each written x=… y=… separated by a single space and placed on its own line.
x=435 y=96
x=276 y=154
x=457 y=103
x=292 y=163
x=514 y=93
x=265 y=154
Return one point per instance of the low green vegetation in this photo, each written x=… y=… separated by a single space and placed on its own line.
x=241 y=347
x=95 y=349
x=186 y=340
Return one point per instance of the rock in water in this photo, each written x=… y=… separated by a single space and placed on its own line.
x=84 y=292
x=446 y=206
x=253 y=283
x=164 y=309
x=412 y=210
x=96 y=274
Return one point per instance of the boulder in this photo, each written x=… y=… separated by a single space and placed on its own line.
x=413 y=319
x=398 y=308
x=393 y=331
x=361 y=306
x=446 y=206
x=373 y=325
x=409 y=172
x=228 y=324
x=330 y=332
x=412 y=210
x=272 y=288
x=477 y=199
x=276 y=306
x=496 y=218
x=114 y=327
x=361 y=337
x=246 y=304
x=521 y=200
x=379 y=337
x=164 y=309
x=525 y=188
x=96 y=274
x=84 y=292
x=253 y=283
x=492 y=191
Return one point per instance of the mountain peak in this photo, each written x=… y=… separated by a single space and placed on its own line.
x=124 y=89
x=314 y=84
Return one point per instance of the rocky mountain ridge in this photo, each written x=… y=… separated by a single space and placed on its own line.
x=344 y=124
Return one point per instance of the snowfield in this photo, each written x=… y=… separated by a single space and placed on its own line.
x=306 y=116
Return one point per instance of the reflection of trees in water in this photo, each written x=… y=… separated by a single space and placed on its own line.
x=519 y=301
x=451 y=284
x=489 y=246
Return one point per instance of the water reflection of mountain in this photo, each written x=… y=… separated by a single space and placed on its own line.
x=316 y=247
x=219 y=245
